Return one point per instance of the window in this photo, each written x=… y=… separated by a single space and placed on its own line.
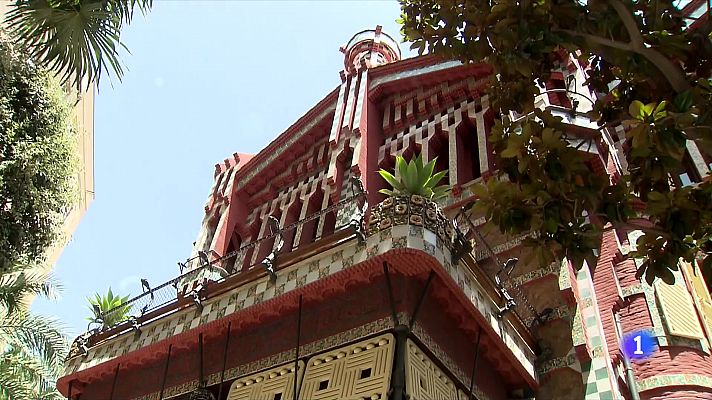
x=689 y=174
x=700 y=295
x=233 y=264
x=439 y=149
x=468 y=156
x=677 y=309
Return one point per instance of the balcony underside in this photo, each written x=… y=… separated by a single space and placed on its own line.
x=345 y=297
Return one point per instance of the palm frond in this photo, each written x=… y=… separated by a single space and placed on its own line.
x=39 y=376
x=392 y=180
x=16 y=287
x=50 y=394
x=77 y=39
x=12 y=387
x=37 y=336
x=124 y=9
x=435 y=179
x=33 y=358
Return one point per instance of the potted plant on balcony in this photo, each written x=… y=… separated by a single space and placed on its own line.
x=415 y=179
x=108 y=310
x=411 y=198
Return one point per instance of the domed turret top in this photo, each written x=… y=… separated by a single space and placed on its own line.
x=370 y=48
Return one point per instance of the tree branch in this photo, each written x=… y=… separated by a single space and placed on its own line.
x=636 y=39
x=672 y=72
x=674 y=75
x=598 y=40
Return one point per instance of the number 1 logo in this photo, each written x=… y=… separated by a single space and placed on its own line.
x=638 y=349
x=639 y=345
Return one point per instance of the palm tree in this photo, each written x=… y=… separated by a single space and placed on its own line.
x=32 y=357
x=78 y=39
x=23 y=283
x=32 y=347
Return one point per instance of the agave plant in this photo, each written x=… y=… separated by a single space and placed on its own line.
x=415 y=178
x=101 y=305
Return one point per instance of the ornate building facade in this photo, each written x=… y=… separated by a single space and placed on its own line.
x=306 y=283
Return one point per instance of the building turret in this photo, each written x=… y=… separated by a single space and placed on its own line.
x=371 y=47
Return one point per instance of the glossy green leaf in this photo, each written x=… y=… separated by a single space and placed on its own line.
x=636 y=110
x=660 y=95
x=427 y=172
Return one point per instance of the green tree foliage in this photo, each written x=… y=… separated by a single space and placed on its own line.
x=17 y=287
x=32 y=347
x=32 y=357
x=101 y=305
x=415 y=178
x=37 y=159
x=651 y=75
x=77 y=38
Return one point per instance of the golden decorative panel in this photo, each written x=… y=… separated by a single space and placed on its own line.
x=273 y=384
x=360 y=371
x=678 y=310
x=424 y=380
x=461 y=395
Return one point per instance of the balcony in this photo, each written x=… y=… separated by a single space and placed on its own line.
x=411 y=235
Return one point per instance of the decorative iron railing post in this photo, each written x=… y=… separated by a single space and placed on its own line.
x=474 y=365
x=165 y=372
x=502 y=276
x=113 y=382
x=295 y=395
x=401 y=333
x=224 y=363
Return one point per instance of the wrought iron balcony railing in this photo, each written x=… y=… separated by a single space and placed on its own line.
x=463 y=239
x=189 y=286
x=516 y=300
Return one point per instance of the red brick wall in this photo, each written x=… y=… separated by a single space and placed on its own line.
x=636 y=315
x=604 y=283
x=683 y=393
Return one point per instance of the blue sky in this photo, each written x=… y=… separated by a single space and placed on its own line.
x=205 y=79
